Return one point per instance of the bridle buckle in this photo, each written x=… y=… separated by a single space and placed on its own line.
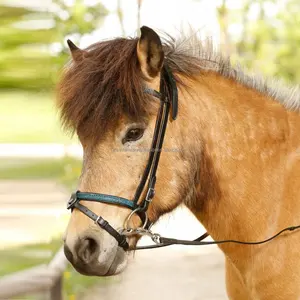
x=150 y=194
x=97 y=220
x=73 y=199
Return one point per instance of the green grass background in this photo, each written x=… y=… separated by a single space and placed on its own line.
x=30 y=118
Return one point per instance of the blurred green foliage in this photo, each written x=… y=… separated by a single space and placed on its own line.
x=268 y=38
x=288 y=43
x=32 y=40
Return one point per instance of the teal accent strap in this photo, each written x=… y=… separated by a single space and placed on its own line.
x=106 y=199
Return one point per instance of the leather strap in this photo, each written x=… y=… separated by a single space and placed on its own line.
x=121 y=239
x=171 y=241
x=170 y=83
x=147 y=170
x=167 y=88
x=164 y=241
x=200 y=238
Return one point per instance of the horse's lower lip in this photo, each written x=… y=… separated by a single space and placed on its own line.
x=110 y=271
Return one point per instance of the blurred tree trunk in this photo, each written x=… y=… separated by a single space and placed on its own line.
x=139 y=4
x=242 y=44
x=120 y=16
x=222 y=13
x=261 y=19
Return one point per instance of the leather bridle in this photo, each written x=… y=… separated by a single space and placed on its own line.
x=168 y=96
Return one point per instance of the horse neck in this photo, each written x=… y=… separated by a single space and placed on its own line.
x=247 y=144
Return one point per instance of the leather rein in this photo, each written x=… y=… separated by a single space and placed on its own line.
x=168 y=96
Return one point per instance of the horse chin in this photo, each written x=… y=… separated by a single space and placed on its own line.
x=101 y=269
x=119 y=264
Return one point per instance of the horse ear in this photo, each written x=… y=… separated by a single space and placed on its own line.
x=150 y=52
x=77 y=53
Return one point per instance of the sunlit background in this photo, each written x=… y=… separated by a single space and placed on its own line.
x=39 y=164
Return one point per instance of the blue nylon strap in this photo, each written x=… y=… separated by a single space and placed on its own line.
x=106 y=199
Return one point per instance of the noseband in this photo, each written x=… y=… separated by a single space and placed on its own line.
x=168 y=96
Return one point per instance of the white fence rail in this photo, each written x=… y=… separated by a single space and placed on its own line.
x=43 y=278
x=40 y=150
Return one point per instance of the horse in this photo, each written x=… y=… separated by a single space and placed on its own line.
x=232 y=156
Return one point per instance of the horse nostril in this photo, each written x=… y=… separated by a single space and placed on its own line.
x=68 y=253
x=88 y=250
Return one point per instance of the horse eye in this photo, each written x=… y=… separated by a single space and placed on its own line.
x=133 y=134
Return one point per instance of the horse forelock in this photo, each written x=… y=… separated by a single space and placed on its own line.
x=105 y=84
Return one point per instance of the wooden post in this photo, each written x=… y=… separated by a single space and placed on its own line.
x=43 y=278
x=56 y=291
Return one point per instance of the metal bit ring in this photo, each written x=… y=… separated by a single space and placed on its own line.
x=126 y=227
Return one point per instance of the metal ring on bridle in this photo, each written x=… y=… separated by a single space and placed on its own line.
x=130 y=216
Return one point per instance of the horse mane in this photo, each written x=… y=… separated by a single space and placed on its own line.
x=190 y=55
x=106 y=83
